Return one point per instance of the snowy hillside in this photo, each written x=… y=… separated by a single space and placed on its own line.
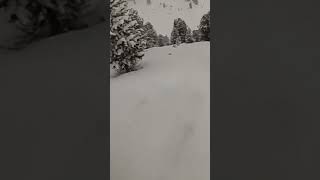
x=160 y=116
x=161 y=13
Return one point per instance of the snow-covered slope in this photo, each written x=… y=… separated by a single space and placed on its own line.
x=162 y=17
x=160 y=116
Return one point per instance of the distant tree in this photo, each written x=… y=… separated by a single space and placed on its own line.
x=160 y=40
x=163 y=40
x=196 y=34
x=166 y=40
x=189 y=38
x=151 y=36
x=126 y=35
x=174 y=35
x=204 y=27
x=179 y=31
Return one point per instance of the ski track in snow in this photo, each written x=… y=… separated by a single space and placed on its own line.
x=160 y=116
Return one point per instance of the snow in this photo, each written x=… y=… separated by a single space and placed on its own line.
x=160 y=116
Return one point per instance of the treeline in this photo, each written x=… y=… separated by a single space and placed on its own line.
x=130 y=35
x=181 y=33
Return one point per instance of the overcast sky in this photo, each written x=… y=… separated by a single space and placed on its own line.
x=162 y=18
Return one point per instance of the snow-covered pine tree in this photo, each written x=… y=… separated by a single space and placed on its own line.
x=204 y=27
x=174 y=35
x=126 y=35
x=179 y=30
x=182 y=28
x=189 y=38
x=151 y=36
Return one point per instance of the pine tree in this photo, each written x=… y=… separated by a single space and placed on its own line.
x=174 y=35
x=179 y=30
x=151 y=35
x=204 y=27
x=126 y=35
x=166 y=40
x=189 y=38
x=161 y=40
x=196 y=35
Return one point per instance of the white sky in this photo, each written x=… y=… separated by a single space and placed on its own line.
x=162 y=18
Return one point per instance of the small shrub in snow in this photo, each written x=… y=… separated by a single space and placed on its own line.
x=126 y=35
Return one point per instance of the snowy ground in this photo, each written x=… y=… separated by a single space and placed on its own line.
x=160 y=116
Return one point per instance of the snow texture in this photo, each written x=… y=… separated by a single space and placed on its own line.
x=160 y=116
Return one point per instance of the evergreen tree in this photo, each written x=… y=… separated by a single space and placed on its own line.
x=126 y=35
x=189 y=38
x=196 y=35
x=151 y=35
x=204 y=27
x=179 y=30
x=166 y=40
x=161 y=40
x=135 y=16
x=174 y=35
